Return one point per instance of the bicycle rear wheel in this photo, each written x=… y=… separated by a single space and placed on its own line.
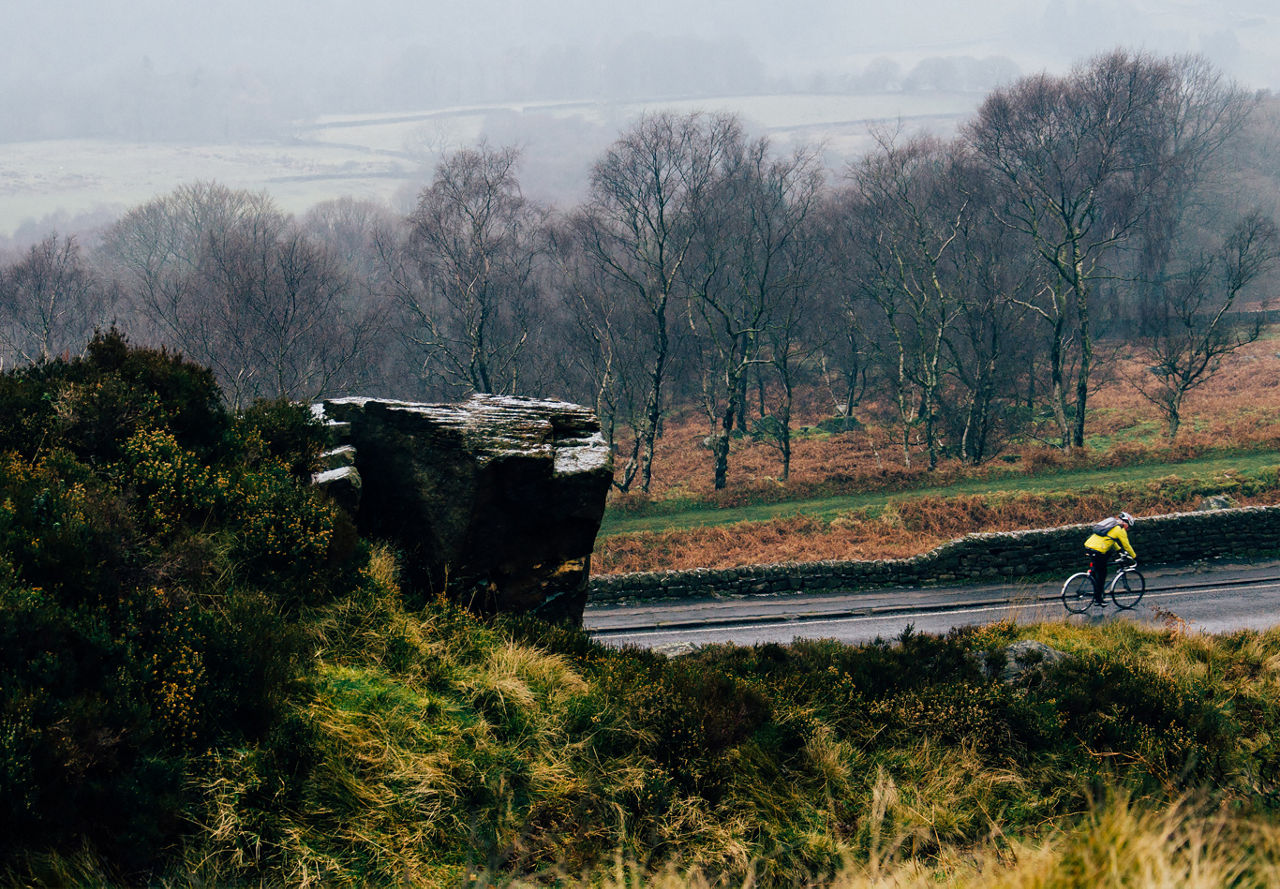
x=1077 y=592
x=1127 y=589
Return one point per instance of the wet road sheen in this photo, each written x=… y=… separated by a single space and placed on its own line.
x=1213 y=598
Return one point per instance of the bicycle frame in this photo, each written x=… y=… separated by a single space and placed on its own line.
x=1125 y=588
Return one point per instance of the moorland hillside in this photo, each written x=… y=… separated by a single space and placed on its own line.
x=850 y=495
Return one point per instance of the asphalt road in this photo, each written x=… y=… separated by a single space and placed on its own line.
x=1211 y=597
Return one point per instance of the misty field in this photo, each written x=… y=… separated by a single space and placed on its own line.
x=386 y=157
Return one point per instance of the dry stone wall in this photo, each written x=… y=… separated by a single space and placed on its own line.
x=1000 y=556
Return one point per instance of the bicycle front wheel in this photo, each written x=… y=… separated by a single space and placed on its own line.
x=1127 y=589
x=1077 y=592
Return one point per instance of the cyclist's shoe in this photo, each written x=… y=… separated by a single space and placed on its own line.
x=1099 y=602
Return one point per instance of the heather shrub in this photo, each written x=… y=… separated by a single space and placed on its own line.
x=92 y=405
x=1174 y=731
x=83 y=757
x=688 y=717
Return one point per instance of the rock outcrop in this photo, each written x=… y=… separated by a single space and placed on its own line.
x=495 y=501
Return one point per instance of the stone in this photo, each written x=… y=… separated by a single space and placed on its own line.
x=494 y=502
x=1217 y=501
x=343 y=484
x=1028 y=655
x=336 y=458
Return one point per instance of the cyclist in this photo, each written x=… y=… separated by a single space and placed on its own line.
x=1108 y=535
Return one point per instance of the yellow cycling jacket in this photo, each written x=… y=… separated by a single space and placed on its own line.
x=1105 y=543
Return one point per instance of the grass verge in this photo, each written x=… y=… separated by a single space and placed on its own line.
x=691 y=513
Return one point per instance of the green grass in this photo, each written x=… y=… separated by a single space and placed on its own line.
x=673 y=515
x=1147 y=431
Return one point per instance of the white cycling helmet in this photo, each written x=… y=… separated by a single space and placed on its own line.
x=1126 y=518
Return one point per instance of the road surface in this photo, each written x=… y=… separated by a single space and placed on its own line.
x=1211 y=597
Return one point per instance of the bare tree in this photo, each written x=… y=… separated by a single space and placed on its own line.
x=50 y=302
x=798 y=329
x=987 y=344
x=353 y=232
x=845 y=348
x=156 y=250
x=467 y=277
x=1077 y=155
x=906 y=215
x=639 y=226
x=1195 y=330
x=226 y=278
x=744 y=267
x=276 y=318
x=350 y=229
x=1202 y=113
x=598 y=351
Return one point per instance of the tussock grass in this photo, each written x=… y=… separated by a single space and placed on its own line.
x=434 y=749
x=1120 y=844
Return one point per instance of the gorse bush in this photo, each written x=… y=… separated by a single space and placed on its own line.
x=278 y=431
x=154 y=553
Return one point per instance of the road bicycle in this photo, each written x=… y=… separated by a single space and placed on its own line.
x=1126 y=588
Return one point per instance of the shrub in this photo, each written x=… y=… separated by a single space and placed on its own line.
x=184 y=396
x=767 y=428
x=283 y=433
x=155 y=556
x=689 y=716
x=1119 y=706
x=61 y=528
x=170 y=487
x=840 y=424
x=91 y=406
x=283 y=531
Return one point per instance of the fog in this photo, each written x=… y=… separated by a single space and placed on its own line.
x=159 y=72
x=339 y=55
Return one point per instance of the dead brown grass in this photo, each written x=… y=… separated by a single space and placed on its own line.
x=795 y=539
x=1240 y=407
x=906 y=528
